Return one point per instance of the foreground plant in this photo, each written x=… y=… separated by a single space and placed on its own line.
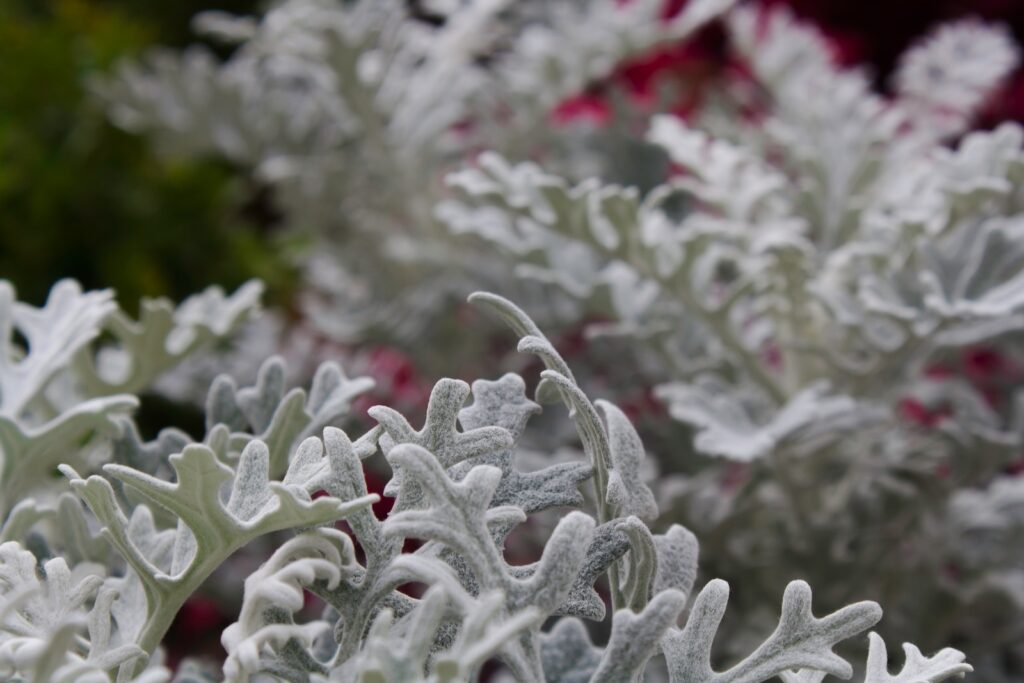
x=808 y=279
x=77 y=606
x=826 y=292
x=69 y=369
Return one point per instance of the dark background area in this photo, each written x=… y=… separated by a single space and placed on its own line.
x=876 y=32
x=80 y=198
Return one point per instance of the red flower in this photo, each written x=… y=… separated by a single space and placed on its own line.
x=636 y=407
x=771 y=355
x=374 y=484
x=1015 y=468
x=1006 y=103
x=198 y=615
x=398 y=383
x=983 y=364
x=587 y=108
x=196 y=630
x=939 y=371
x=917 y=412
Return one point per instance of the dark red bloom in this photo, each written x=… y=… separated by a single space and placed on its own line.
x=199 y=614
x=982 y=364
x=587 y=108
x=939 y=371
x=398 y=382
x=918 y=413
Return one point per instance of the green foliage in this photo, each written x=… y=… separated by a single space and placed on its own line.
x=81 y=198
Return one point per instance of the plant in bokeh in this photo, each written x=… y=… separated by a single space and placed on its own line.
x=81 y=198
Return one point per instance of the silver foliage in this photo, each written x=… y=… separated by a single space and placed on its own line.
x=101 y=620
x=792 y=284
x=59 y=386
x=353 y=112
x=789 y=289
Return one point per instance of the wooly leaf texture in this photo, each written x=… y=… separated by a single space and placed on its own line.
x=803 y=262
x=458 y=493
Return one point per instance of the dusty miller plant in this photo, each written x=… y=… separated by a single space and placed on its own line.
x=92 y=596
x=799 y=278
x=821 y=250
x=353 y=112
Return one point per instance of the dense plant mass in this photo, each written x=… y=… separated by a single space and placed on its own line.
x=77 y=605
x=353 y=111
x=835 y=261
x=815 y=289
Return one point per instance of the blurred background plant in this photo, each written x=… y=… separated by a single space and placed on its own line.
x=122 y=208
